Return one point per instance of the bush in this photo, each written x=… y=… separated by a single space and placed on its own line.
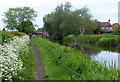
x=5 y=37
x=16 y=33
x=70 y=40
x=116 y=33
x=107 y=42
x=12 y=55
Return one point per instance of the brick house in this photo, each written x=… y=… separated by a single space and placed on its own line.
x=116 y=24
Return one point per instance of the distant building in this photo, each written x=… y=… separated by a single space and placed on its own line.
x=116 y=24
x=106 y=26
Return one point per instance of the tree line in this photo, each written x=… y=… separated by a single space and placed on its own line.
x=63 y=21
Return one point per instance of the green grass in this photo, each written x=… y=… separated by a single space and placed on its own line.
x=17 y=33
x=103 y=41
x=5 y=36
x=65 y=63
x=94 y=37
x=30 y=67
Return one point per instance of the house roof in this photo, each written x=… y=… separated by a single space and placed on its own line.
x=116 y=24
x=105 y=24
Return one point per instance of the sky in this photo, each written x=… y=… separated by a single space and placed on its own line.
x=102 y=10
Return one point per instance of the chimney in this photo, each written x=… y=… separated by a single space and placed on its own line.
x=109 y=20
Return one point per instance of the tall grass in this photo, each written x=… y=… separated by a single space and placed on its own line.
x=64 y=63
x=30 y=67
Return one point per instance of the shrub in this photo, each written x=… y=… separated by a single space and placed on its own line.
x=69 y=40
x=16 y=33
x=5 y=37
x=11 y=55
x=107 y=42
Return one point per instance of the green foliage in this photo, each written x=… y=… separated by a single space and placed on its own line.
x=40 y=29
x=105 y=29
x=16 y=33
x=30 y=71
x=26 y=27
x=98 y=26
x=4 y=37
x=52 y=21
x=64 y=21
x=115 y=33
x=64 y=63
x=107 y=42
x=103 y=41
x=116 y=28
x=16 y=17
x=69 y=40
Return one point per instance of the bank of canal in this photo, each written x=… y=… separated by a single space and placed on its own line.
x=101 y=47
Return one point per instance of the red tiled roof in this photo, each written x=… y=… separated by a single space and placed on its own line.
x=116 y=24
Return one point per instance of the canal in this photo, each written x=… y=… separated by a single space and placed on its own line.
x=102 y=55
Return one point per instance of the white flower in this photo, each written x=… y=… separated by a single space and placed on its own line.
x=10 y=57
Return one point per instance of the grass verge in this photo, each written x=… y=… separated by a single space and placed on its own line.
x=65 y=63
x=6 y=35
x=30 y=67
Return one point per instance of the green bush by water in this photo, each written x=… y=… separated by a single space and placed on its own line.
x=102 y=40
x=65 y=63
x=108 y=42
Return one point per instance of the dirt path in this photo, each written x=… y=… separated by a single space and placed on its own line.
x=40 y=74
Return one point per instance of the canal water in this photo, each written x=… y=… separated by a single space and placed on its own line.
x=102 y=55
x=107 y=56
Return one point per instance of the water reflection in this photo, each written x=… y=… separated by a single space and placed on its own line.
x=101 y=55
x=91 y=52
x=107 y=56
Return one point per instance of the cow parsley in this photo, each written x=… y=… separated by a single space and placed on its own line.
x=11 y=56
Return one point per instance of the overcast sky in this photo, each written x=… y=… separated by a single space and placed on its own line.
x=102 y=10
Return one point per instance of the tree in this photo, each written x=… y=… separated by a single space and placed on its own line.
x=116 y=28
x=64 y=21
x=53 y=21
x=26 y=27
x=98 y=26
x=16 y=17
x=39 y=29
